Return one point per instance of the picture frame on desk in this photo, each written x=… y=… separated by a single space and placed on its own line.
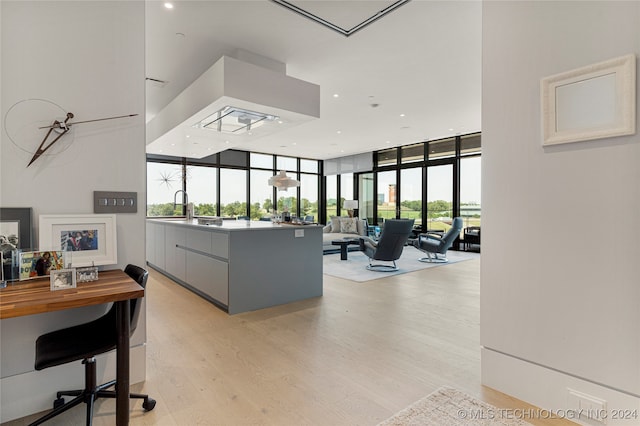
x=86 y=274
x=36 y=264
x=63 y=279
x=90 y=237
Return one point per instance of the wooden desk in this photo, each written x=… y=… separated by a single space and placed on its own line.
x=35 y=297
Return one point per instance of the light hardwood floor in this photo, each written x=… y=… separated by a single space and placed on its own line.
x=355 y=356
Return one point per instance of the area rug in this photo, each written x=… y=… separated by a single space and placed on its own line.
x=354 y=268
x=450 y=407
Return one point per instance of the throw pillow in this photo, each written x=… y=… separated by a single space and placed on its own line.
x=362 y=226
x=336 y=227
x=349 y=225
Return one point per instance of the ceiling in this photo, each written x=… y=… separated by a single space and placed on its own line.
x=410 y=76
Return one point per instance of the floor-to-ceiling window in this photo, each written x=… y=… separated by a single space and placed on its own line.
x=233 y=192
x=201 y=187
x=288 y=199
x=309 y=196
x=366 y=196
x=439 y=197
x=346 y=189
x=411 y=194
x=386 y=196
x=331 y=203
x=431 y=182
x=309 y=189
x=470 y=178
x=163 y=180
x=261 y=193
x=232 y=184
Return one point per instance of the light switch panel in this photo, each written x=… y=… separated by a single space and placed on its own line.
x=115 y=202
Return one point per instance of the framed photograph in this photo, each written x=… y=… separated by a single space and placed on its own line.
x=87 y=274
x=34 y=264
x=593 y=102
x=91 y=238
x=16 y=226
x=63 y=279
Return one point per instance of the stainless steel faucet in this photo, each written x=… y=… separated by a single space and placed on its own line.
x=185 y=203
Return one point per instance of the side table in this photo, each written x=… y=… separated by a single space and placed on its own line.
x=344 y=244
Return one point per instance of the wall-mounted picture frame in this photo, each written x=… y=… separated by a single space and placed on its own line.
x=63 y=279
x=16 y=232
x=36 y=264
x=90 y=237
x=16 y=225
x=593 y=102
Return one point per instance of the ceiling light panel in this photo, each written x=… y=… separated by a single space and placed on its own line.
x=232 y=120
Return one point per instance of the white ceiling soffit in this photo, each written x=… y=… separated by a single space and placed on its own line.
x=343 y=22
x=176 y=130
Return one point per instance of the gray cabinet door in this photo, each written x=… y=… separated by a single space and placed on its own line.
x=174 y=255
x=209 y=275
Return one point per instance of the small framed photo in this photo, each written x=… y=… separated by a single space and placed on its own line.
x=86 y=274
x=62 y=279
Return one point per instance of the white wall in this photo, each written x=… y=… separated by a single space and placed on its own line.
x=89 y=58
x=560 y=272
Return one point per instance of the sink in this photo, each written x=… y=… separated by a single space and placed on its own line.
x=209 y=220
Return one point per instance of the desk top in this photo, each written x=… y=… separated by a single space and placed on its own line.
x=35 y=296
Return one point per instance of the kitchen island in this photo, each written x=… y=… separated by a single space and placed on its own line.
x=239 y=265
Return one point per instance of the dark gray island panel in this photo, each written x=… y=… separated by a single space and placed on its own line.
x=275 y=268
x=240 y=266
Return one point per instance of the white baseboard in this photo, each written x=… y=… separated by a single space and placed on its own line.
x=549 y=389
x=34 y=391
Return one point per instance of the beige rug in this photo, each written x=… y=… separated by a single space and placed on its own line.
x=450 y=407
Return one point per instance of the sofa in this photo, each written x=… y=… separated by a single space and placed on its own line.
x=341 y=227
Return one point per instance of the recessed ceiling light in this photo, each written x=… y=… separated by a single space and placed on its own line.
x=451 y=130
x=401 y=115
x=188 y=136
x=339 y=131
x=209 y=149
x=280 y=121
x=335 y=95
x=294 y=143
x=168 y=5
x=226 y=141
x=173 y=144
x=388 y=142
x=160 y=151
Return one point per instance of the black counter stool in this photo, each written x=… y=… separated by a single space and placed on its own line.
x=84 y=342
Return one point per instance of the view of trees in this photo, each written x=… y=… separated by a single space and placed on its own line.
x=237 y=208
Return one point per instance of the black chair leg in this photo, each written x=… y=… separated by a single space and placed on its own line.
x=147 y=403
x=90 y=401
x=69 y=393
x=59 y=410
